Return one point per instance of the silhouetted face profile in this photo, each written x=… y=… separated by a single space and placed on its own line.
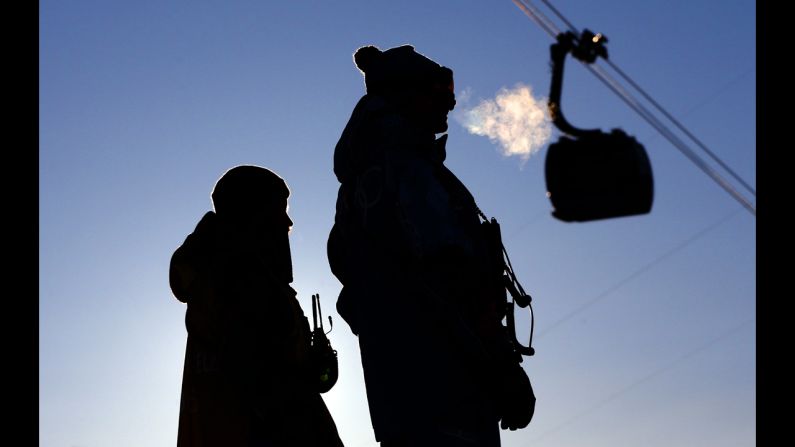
x=432 y=103
x=418 y=86
x=253 y=202
x=269 y=215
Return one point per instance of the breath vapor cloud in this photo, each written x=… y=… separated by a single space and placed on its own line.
x=514 y=119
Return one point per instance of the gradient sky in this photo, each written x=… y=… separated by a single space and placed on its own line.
x=645 y=325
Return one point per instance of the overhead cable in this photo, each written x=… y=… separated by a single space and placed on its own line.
x=657 y=105
x=547 y=25
x=686 y=356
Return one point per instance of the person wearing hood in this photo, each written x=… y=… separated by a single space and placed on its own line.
x=407 y=247
x=246 y=379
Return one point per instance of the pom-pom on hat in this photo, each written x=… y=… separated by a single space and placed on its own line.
x=398 y=68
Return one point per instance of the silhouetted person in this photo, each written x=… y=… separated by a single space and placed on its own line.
x=406 y=246
x=245 y=380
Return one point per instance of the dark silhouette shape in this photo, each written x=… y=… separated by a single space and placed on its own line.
x=409 y=250
x=591 y=174
x=247 y=379
x=324 y=357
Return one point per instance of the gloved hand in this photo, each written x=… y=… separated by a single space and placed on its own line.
x=517 y=400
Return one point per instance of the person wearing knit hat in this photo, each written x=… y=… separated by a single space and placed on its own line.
x=401 y=75
x=407 y=246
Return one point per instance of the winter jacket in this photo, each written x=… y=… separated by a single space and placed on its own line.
x=407 y=248
x=245 y=373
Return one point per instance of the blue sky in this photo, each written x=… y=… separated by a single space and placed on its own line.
x=645 y=325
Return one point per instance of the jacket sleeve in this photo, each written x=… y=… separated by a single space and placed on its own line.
x=193 y=281
x=182 y=276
